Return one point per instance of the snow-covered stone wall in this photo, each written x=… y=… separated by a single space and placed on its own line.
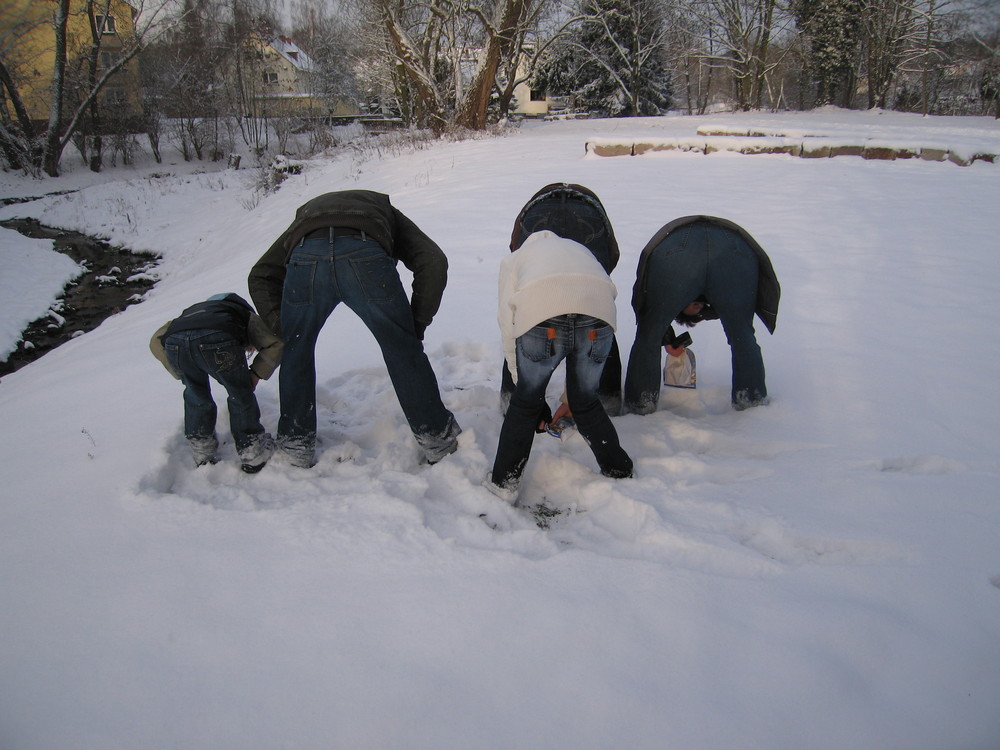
x=805 y=145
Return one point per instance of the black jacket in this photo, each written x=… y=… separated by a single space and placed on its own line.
x=232 y=314
x=563 y=191
x=768 y=289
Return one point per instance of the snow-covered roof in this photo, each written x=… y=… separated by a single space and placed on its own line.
x=293 y=53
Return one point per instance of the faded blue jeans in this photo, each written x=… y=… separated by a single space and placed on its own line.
x=198 y=355
x=582 y=222
x=584 y=342
x=322 y=273
x=698 y=259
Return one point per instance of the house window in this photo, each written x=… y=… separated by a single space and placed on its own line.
x=537 y=95
x=108 y=59
x=114 y=96
x=105 y=24
x=270 y=77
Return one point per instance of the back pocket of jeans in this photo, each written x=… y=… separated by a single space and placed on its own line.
x=377 y=276
x=173 y=355
x=600 y=343
x=536 y=344
x=299 y=279
x=220 y=357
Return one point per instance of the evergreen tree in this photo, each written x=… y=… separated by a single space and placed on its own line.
x=613 y=61
x=833 y=28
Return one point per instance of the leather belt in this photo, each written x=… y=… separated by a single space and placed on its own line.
x=328 y=233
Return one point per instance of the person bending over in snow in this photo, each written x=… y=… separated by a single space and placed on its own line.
x=211 y=340
x=700 y=268
x=343 y=247
x=540 y=328
x=576 y=213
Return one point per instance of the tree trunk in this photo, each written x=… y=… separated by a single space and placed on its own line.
x=760 y=52
x=414 y=75
x=97 y=152
x=501 y=45
x=52 y=150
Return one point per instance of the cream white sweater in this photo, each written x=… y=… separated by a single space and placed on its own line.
x=546 y=277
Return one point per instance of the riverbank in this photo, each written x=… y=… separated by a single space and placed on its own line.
x=113 y=278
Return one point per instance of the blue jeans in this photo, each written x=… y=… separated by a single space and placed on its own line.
x=584 y=342
x=579 y=221
x=320 y=275
x=609 y=390
x=198 y=355
x=698 y=259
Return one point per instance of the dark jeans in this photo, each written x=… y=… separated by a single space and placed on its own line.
x=609 y=390
x=698 y=259
x=197 y=355
x=584 y=342
x=358 y=272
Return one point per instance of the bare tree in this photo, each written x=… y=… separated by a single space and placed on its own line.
x=985 y=33
x=450 y=58
x=736 y=35
x=937 y=23
x=184 y=83
x=888 y=36
x=329 y=34
x=688 y=57
x=17 y=143
x=72 y=96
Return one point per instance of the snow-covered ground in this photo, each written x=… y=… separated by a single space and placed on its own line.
x=821 y=573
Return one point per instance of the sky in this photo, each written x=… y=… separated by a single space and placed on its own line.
x=819 y=573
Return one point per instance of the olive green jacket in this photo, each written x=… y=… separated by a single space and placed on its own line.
x=373 y=214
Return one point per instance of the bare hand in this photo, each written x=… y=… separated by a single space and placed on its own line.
x=562 y=411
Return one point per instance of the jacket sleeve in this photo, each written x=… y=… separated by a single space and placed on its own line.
x=505 y=317
x=266 y=282
x=429 y=265
x=156 y=347
x=269 y=348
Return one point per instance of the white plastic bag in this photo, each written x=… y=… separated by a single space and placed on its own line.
x=681 y=372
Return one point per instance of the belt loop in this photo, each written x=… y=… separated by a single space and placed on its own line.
x=364 y=237
x=330 y=235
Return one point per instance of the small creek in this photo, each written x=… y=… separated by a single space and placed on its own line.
x=114 y=278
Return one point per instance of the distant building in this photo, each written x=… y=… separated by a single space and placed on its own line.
x=526 y=101
x=27 y=49
x=529 y=102
x=289 y=85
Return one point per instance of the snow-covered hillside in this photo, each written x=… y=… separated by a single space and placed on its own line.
x=819 y=574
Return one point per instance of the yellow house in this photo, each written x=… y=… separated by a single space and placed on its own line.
x=28 y=51
x=287 y=83
x=529 y=102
